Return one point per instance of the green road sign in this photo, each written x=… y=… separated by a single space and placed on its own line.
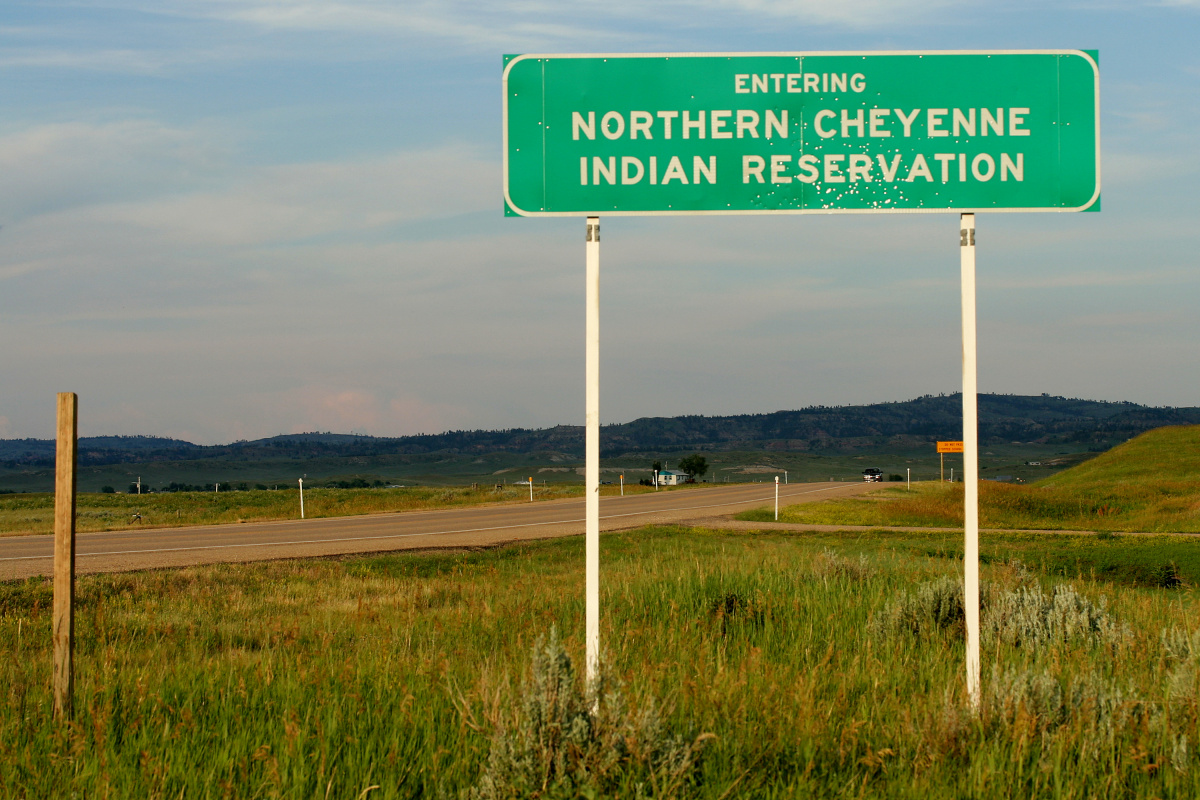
x=794 y=133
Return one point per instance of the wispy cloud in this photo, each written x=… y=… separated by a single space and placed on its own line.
x=537 y=24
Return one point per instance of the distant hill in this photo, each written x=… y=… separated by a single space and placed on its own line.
x=1080 y=424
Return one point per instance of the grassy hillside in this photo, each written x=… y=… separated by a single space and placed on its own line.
x=1151 y=483
x=1157 y=457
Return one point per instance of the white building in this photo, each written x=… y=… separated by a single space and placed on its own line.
x=670 y=478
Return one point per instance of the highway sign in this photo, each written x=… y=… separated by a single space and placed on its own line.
x=949 y=447
x=794 y=133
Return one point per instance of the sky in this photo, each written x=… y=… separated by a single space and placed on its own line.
x=225 y=219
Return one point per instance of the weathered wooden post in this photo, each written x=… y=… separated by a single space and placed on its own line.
x=64 y=553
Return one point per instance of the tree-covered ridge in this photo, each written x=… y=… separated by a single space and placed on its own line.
x=1002 y=418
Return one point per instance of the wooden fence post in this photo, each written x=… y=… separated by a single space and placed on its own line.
x=64 y=553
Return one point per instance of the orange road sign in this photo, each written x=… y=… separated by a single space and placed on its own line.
x=949 y=447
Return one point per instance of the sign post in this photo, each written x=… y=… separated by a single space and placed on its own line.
x=952 y=447
x=64 y=553
x=970 y=456
x=800 y=133
x=592 y=443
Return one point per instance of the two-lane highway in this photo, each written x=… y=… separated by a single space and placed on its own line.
x=478 y=526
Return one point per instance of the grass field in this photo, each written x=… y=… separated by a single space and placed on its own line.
x=402 y=676
x=1151 y=483
x=22 y=514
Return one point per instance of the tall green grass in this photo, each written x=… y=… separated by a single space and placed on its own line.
x=327 y=678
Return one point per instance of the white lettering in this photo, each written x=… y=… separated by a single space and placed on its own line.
x=758 y=84
x=653 y=170
x=907 y=121
x=837 y=83
x=848 y=123
x=860 y=167
x=858 y=82
x=640 y=121
x=609 y=172
x=752 y=166
x=674 y=171
x=739 y=84
x=583 y=170
x=717 y=118
x=1007 y=166
x=578 y=124
x=966 y=123
x=933 y=117
x=812 y=82
x=666 y=117
x=889 y=175
x=996 y=123
x=747 y=122
x=1016 y=118
x=919 y=169
x=980 y=175
x=807 y=165
x=708 y=170
x=833 y=169
x=876 y=129
x=626 y=163
x=690 y=124
x=777 y=166
x=609 y=117
x=823 y=114
x=777 y=77
x=793 y=84
x=945 y=158
x=779 y=124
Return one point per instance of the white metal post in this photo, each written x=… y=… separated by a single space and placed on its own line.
x=656 y=480
x=592 y=447
x=301 y=498
x=970 y=456
x=785 y=477
x=531 y=488
x=777 y=498
x=908 y=473
x=622 y=486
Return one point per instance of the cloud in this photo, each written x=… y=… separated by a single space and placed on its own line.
x=52 y=167
x=533 y=24
x=305 y=201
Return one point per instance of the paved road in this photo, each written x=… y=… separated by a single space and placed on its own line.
x=480 y=526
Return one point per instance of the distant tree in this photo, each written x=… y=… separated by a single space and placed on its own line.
x=108 y=490
x=656 y=466
x=694 y=465
x=133 y=489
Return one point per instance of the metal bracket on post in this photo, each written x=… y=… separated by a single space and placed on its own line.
x=592 y=451
x=970 y=457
